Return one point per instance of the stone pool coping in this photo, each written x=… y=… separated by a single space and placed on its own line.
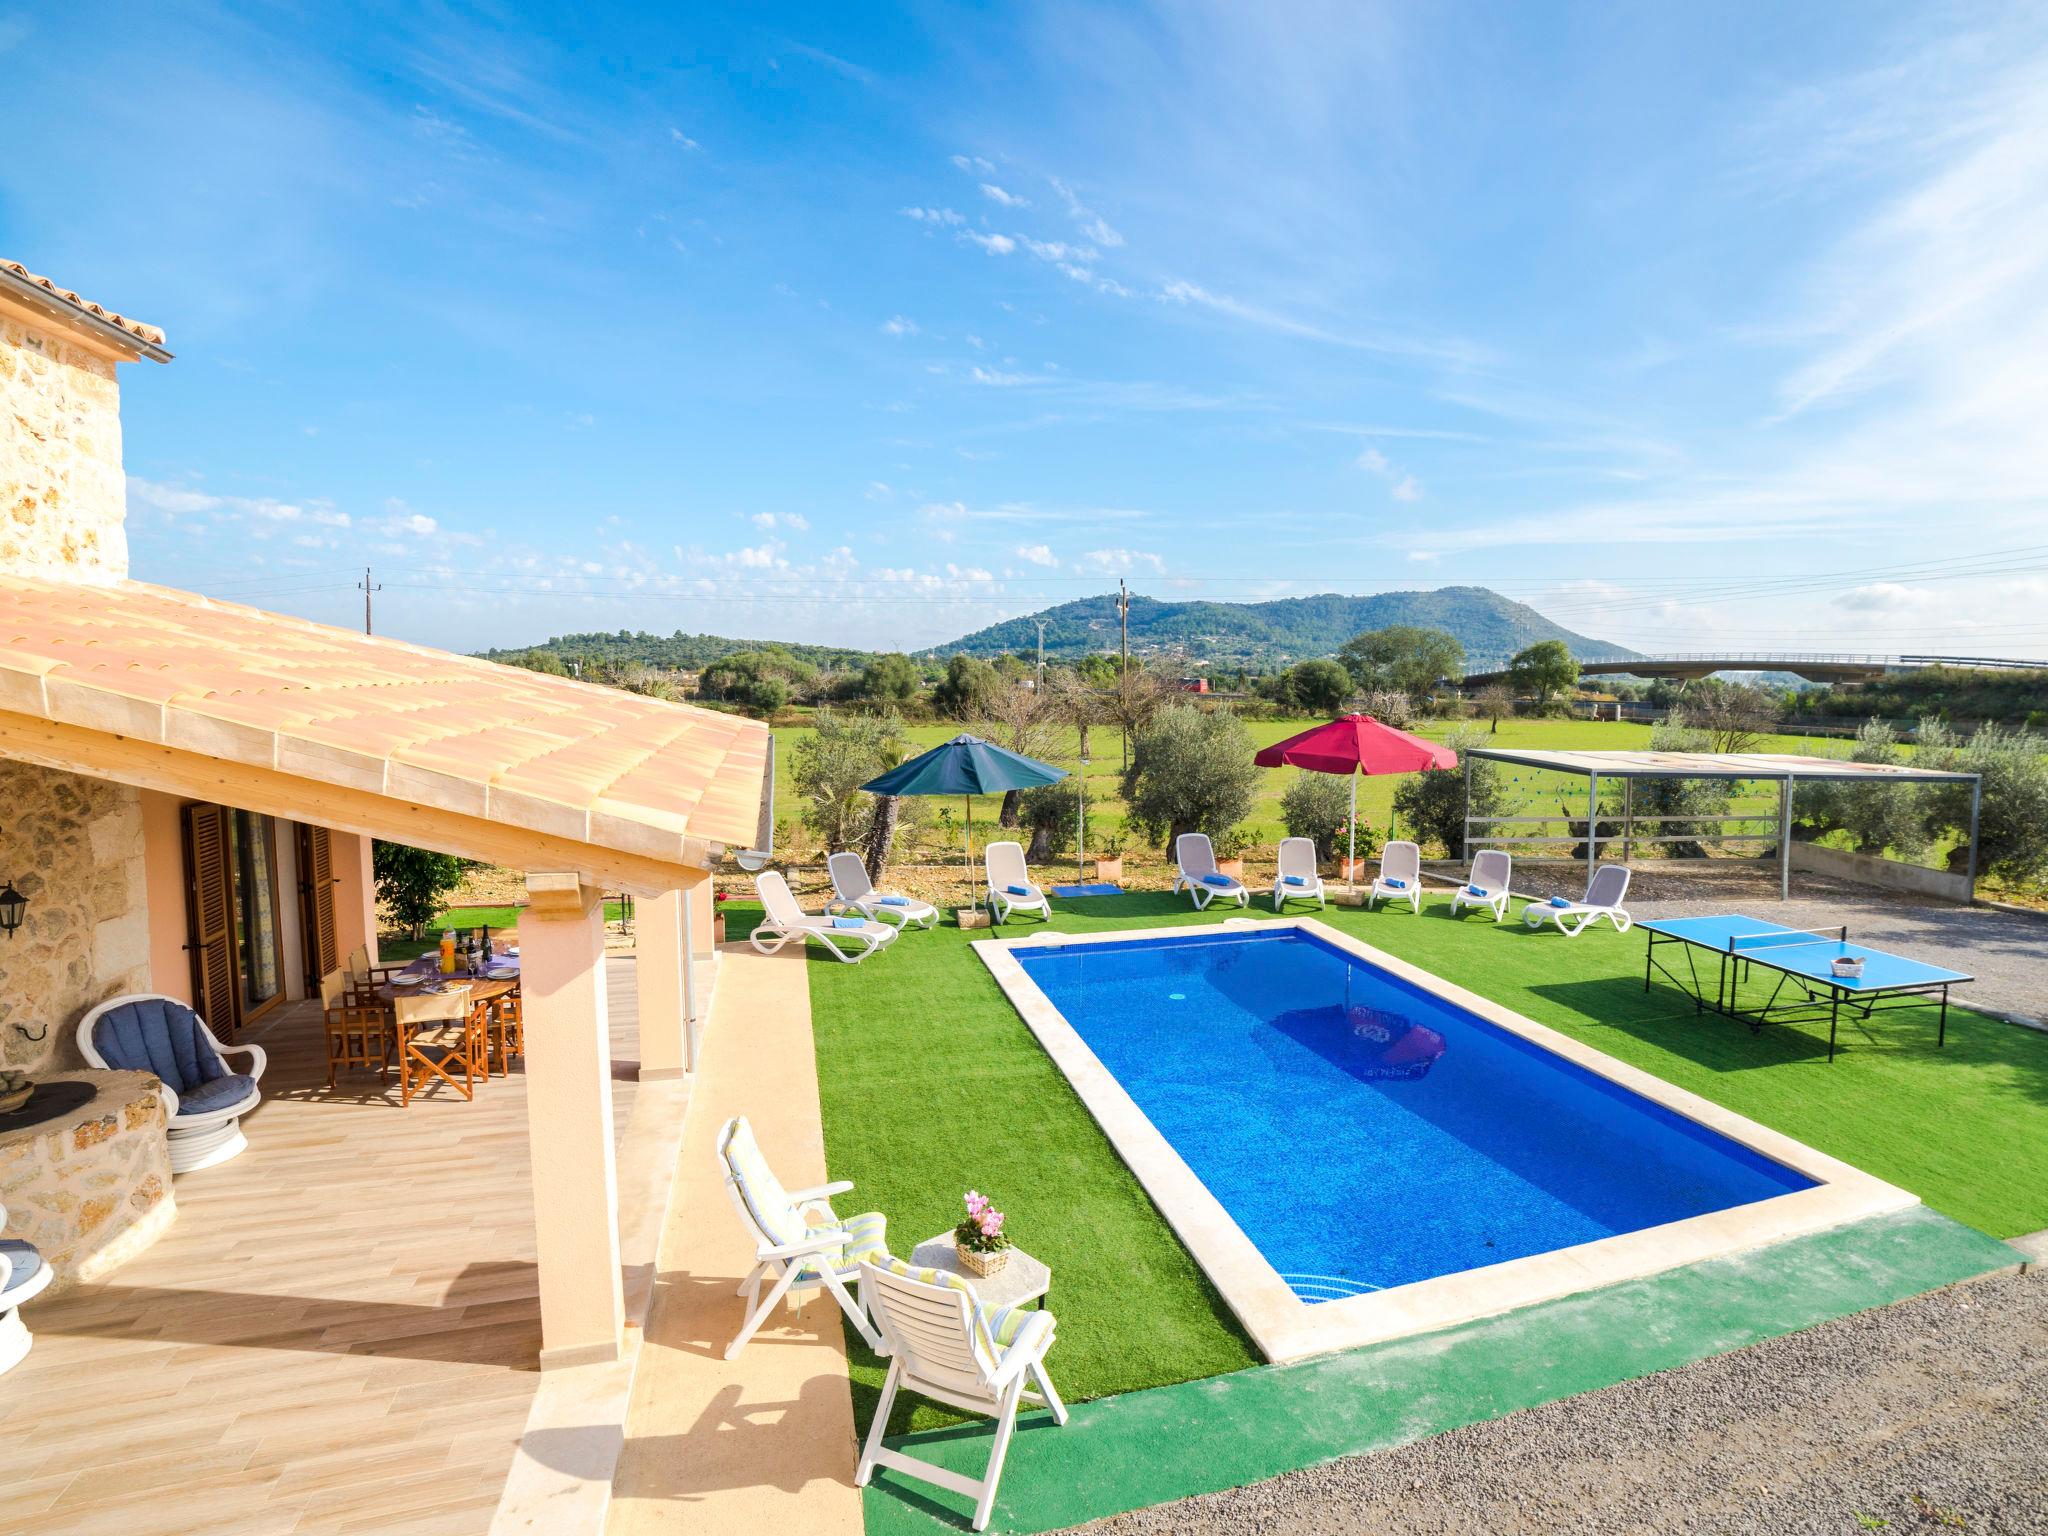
x=1285 y=1327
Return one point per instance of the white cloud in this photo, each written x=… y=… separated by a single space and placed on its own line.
x=934 y=216
x=182 y=501
x=1092 y=224
x=1375 y=461
x=878 y=490
x=996 y=194
x=973 y=163
x=678 y=136
x=976 y=342
x=898 y=325
x=1116 y=562
x=1407 y=488
x=997 y=377
x=995 y=245
x=794 y=521
x=1037 y=554
x=1059 y=250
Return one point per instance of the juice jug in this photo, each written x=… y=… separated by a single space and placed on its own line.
x=448 y=952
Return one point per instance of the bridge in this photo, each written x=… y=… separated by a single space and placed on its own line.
x=1814 y=666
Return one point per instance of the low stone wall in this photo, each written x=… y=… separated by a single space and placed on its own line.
x=1890 y=874
x=92 y=1187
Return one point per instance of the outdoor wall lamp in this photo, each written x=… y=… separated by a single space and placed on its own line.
x=12 y=907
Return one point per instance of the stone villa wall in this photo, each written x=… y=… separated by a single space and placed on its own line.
x=63 y=498
x=73 y=847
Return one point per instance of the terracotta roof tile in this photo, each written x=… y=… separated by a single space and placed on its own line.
x=136 y=328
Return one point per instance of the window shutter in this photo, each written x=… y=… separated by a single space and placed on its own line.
x=209 y=910
x=319 y=872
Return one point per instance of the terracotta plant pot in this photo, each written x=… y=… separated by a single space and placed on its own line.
x=1353 y=871
x=718 y=929
x=1111 y=870
x=1231 y=867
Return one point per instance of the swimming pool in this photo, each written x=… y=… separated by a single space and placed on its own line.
x=1355 y=1148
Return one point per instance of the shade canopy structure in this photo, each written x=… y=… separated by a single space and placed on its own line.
x=1353 y=745
x=966 y=766
x=1787 y=769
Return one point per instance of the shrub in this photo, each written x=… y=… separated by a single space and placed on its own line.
x=1320 y=687
x=1390 y=708
x=1432 y=803
x=1875 y=816
x=1544 y=669
x=831 y=763
x=1314 y=807
x=1682 y=798
x=1408 y=659
x=1191 y=771
x=1049 y=813
x=967 y=689
x=415 y=883
x=892 y=678
x=2012 y=829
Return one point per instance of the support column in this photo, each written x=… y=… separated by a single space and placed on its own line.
x=659 y=960
x=1592 y=825
x=1785 y=840
x=569 y=1121
x=1976 y=822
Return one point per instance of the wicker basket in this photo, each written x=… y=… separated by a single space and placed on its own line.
x=14 y=1098
x=976 y=1262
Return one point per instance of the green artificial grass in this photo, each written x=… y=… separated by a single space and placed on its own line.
x=931 y=1084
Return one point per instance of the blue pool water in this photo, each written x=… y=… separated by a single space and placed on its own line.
x=1365 y=1133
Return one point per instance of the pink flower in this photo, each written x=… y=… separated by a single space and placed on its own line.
x=977 y=1202
x=991 y=1222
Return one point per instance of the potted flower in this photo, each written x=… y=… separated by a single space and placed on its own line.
x=719 y=898
x=979 y=1239
x=1109 y=862
x=1349 y=869
x=1230 y=845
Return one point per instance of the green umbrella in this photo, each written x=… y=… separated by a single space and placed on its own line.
x=966 y=766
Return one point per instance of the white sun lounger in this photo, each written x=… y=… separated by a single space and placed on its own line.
x=1296 y=878
x=1487 y=885
x=1605 y=893
x=785 y=920
x=945 y=1345
x=1199 y=877
x=1400 y=876
x=792 y=1252
x=854 y=892
x=1009 y=883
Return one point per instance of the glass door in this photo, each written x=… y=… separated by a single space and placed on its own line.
x=259 y=935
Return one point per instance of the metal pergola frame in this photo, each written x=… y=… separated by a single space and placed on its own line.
x=1753 y=768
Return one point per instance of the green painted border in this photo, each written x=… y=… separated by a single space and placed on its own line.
x=1123 y=1453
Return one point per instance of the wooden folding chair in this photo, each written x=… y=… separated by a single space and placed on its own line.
x=448 y=1017
x=358 y=1034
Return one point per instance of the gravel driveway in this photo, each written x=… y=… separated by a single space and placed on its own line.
x=1929 y=1415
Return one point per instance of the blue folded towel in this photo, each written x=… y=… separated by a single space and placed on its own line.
x=894 y=901
x=1217 y=880
x=1398 y=885
x=1473 y=890
x=1292 y=880
x=849 y=922
x=1018 y=890
x=1559 y=901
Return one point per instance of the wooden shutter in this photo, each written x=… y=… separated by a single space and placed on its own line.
x=316 y=869
x=209 y=912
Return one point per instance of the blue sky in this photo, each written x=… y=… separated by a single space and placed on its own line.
x=1694 y=326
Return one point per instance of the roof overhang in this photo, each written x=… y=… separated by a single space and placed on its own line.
x=170 y=691
x=1718 y=765
x=43 y=304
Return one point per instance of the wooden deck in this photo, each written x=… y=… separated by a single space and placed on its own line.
x=338 y=1334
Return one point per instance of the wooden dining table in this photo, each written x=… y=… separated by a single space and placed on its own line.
x=487 y=990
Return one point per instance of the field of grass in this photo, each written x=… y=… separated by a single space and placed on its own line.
x=394 y=948
x=931 y=1084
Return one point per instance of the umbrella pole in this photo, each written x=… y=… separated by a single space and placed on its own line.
x=1351 y=858
x=973 y=885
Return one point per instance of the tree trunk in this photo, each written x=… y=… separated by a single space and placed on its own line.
x=1012 y=799
x=881 y=835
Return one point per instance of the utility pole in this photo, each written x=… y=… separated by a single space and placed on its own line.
x=1123 y=616
x=366 y=587
x=1039 y=686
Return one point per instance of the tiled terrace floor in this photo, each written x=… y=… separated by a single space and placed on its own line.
x=338 y=1333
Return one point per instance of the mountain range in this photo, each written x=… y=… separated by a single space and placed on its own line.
x=1283 y=630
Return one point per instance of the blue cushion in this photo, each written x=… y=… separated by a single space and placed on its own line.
x=160 y=1035
x=1217 y=880
x=1473 y=890
x=1018 y=890
x=1559 y=901
x=1398 y=885
x=26 y=1261
x=849 y=922
x=1292 y=880
x=894 y=901
x=221 y=1093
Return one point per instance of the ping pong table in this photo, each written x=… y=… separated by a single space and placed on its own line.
x=1806 y=990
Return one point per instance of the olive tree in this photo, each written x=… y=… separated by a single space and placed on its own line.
x=1316 y=807
x=1191 y=771
x=1544 y=669
x=1403 y=658
x=841 y=753
x=1433 y=804
x=2012 y=828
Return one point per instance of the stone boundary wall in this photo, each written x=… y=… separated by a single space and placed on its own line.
x=1890 y=874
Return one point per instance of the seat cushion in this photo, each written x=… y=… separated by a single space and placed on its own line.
x=867 y=1239
x=1000 y=1324
x=160 y=1035
x=26 y=1261
x=221 y=1093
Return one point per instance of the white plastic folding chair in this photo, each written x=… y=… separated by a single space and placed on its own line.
x=1487 y=885
x=1400 y=876
x=848 y=938
x=853 y=891
x=942 y=1344
x=800 y=1245
x=1605 y=893
x=1199 y=876
x=1010 y=888
x=1297 y=878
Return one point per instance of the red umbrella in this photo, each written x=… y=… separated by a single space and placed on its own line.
x=1356 y=744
